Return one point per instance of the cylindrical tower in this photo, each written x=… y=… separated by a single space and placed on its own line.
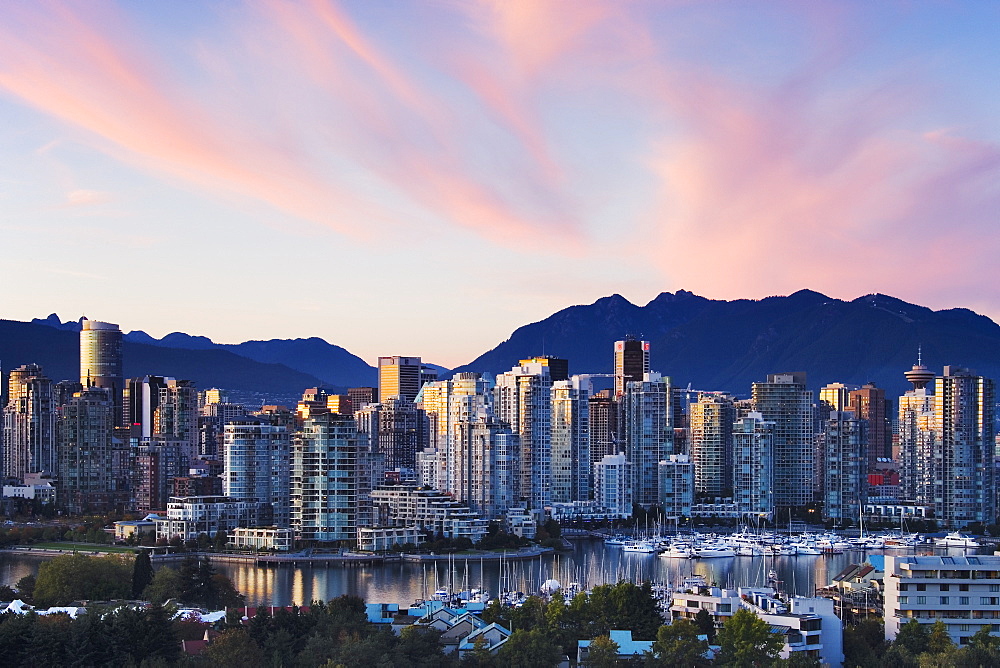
x=101 y=360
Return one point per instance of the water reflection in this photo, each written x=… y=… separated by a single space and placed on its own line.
x=590 y=564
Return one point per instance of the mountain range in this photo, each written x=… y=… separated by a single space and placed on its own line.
x=708 y=344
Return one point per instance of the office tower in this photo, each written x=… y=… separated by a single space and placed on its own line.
x=486 y=477
x=558 y=367
x=571 y=465
x=446 y=403
x=648 y=434
x=362 y=396
x=212 y=395
x=837 y=396
x=603 y=426
x=676 y=486
x=330 y=483
x=29 y=424
x=84 y=430
x=257 y=459
x=402 y=377
x=523 y=399
x=101 y=360
x=339 y=403
x=784 y=400
x=613 y=484
x=845 y=466
x=916 y=436
x=711 y=419
x=753 y=473
x=141 y=398
x=869 y=403
x=631 y=363
x=314 y=402
x=963 y=460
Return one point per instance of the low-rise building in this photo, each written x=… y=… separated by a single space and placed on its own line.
x=262 y=538
x=429 y=509
x=379 y=539
x=189 y=516
x=961 y=591
x=628 y=649
x=127 y=528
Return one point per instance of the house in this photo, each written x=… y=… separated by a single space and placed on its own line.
x=627 y=647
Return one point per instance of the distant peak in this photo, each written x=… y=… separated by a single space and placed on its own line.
x=612 y=300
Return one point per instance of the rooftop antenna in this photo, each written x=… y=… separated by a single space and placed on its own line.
x=920 y=354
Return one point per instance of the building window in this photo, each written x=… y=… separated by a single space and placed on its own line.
x=944 y=600
x=921 y=599
x=963 y=600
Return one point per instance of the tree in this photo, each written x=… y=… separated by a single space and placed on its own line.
x=746 y=640
x=602 y=653
x=528 y=649
x=166 y=584
x=938 y=640
x=864 y=643
x=480 y=656
x=74 y=577
x=26 y=588
x=706 y=624
x=234 y=649
x=678 y=644
x=142 y=573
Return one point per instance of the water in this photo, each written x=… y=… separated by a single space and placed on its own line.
x=590 y=563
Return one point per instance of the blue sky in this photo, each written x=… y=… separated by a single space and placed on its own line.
x=420 y=178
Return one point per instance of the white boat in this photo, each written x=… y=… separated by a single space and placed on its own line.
x=714 y=552
x=956 y=539
x=643 y=546
x=679 y=551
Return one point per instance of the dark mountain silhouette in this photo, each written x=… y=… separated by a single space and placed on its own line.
x=58 y=351
x=727 y=345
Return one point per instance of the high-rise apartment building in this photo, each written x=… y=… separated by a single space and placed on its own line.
x=785 y=401
x=330 y=484
x=362 y=396
x=753 y=477
x=257 y=459
x=402 y=377
x=613 y=484
x=711 y=419
x=84 y=429
x=402 y=433
x=29 y=424
x=571 y=461
x=845 y=466
x=603 y=426
x=963 y=460
x=648 y=434
x=676 y=486
x=446 y=403
x=101 y=360
x=523 y=399
x=558 y=367
x=631 y=363
x=487 y=473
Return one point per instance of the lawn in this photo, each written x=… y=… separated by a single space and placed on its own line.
x=83 y=547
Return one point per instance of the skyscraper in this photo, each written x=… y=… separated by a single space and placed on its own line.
x=869 y=403
x=29 y=424
x=603 y=426
x=330 y=485
x=446 y=403
x=648 y=434
x=631 y=363
x=101 y=360
x=845 y=465
x=753 y=452
x=84 y=429
x=963 y=459
x=487 y=472
x=523 y=399
x=712 y=418
x=916 y=436
x=571 y=462
x=257 y=458
x=784 y=400
x=402 y=377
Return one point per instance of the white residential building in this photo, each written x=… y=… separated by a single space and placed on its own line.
x=676 y=486
x=189 y=516
x=963 y=592
x=613 y=484
x=430 y=509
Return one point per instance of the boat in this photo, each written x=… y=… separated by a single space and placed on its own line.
x=679 y=551
x=714 y=551
x=643 y=546
x=956 y=539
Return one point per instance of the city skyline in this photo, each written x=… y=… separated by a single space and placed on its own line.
x=506 y=159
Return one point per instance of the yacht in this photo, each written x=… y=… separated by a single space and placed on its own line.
x=956 y=539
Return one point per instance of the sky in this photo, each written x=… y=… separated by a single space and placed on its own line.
x=422 y=178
